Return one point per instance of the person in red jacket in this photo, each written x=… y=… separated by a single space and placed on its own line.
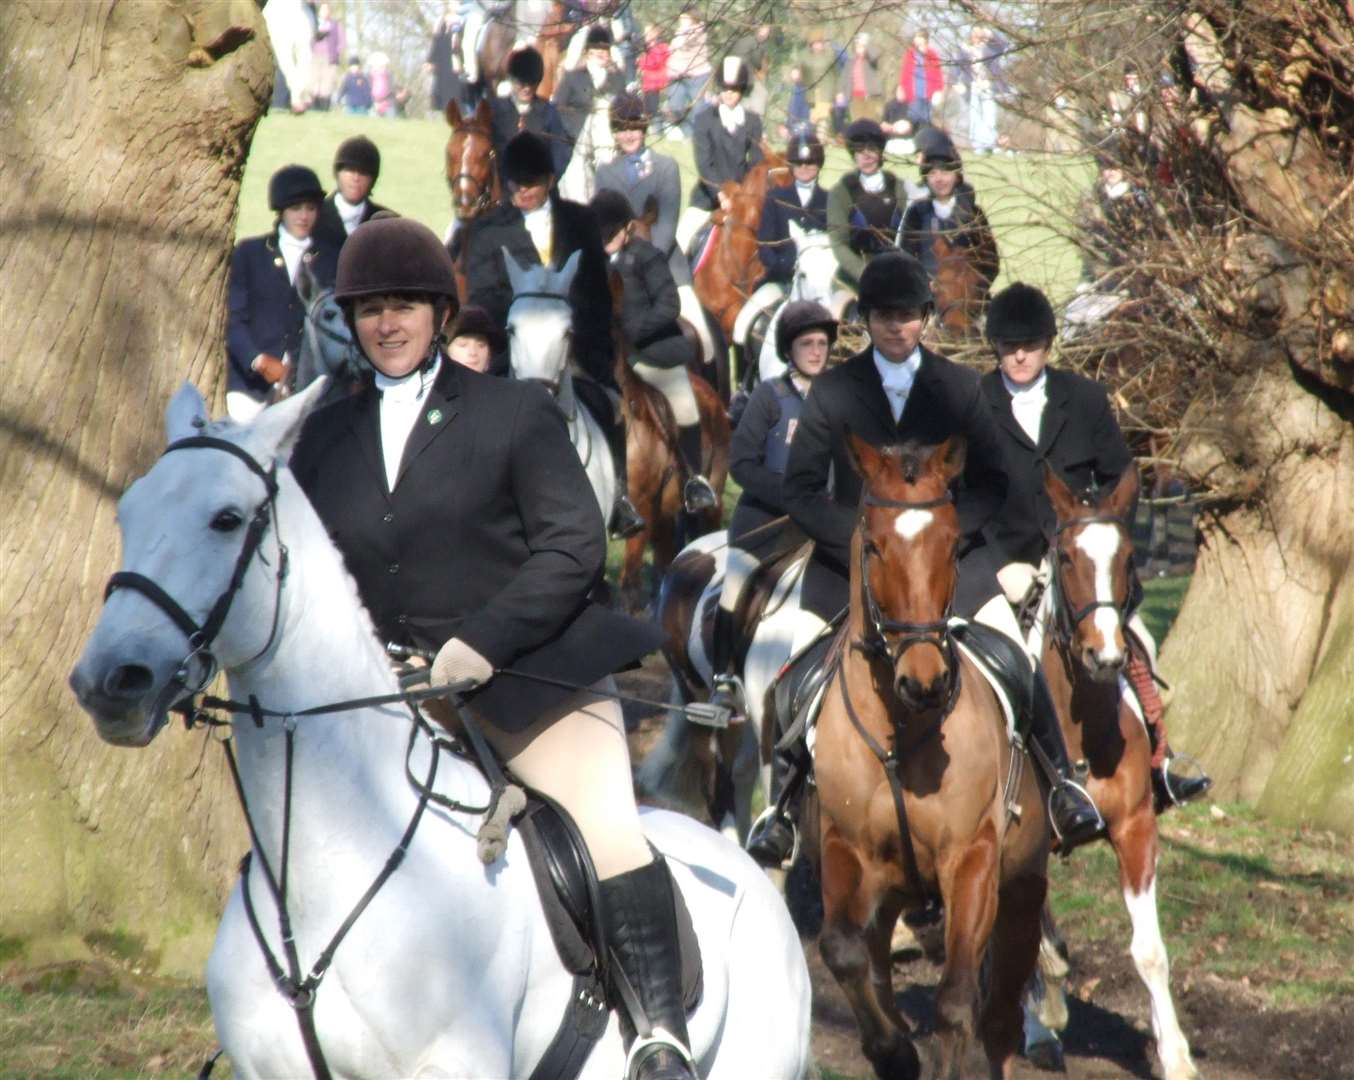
x=653 y=69
x=921 y=79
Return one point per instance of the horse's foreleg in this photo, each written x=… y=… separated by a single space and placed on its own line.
x=969 y=889
x=1045 y=1002
x=1135 y=843
x=632 y=571
x=850 y=911
x=1015 y=954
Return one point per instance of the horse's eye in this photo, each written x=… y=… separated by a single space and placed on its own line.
x=227 y=521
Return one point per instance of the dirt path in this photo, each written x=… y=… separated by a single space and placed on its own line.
x=1233 y=1033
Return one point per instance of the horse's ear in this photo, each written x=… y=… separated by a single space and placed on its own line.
x=515 y=270
x=453 y=114
x=275 y=431
x=869 y=462
x=1120 y=500
x=305 y=283
x=650 y=213
x=949 y=457
x=484 y=115
x=565 y=276
x=186 y=415
x=1059 y=494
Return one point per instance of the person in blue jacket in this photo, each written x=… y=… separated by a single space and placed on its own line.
x=266 y=316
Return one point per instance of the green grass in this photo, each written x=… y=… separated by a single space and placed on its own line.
x=1240 y=899
x=1024 y=197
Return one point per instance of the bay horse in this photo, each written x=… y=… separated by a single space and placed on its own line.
x=471 y=170
x=960 y=288
x=922 y=795
x=1080 y=631
x=542 y=22
x=654 y=471
x=450 y=968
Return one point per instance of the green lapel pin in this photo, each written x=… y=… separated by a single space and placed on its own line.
x=434 y=416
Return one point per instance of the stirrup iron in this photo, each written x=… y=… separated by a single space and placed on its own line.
x=658 y=1039
x=770 y=813
x=1052 y=818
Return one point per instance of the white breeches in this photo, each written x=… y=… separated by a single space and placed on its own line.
x=675 y=385
x=242 y=408
x=689 y=224
x=739 y=566
x=767 y=296
x=997 y=615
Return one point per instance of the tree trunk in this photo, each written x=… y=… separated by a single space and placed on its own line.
x=126 y=130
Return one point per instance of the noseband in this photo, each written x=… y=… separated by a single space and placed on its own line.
x=201 y=638
x=878 y=627
x=1066 y=621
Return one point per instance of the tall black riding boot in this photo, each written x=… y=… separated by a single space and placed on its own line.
x=698 y=495
x=771 y=840
x=1071 y=810
x=626 y=521
x=726 y=687
x=641 y=932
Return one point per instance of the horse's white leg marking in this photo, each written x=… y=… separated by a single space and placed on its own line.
x=910 y=523
x=1100 y=542
x=1149 y=955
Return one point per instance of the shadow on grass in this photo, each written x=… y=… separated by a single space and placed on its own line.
x=1331 y=886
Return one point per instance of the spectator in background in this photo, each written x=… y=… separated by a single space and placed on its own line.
x=523 y=110
x=355 y=91
x=798 y=111
x=921 y=79
x=326 y=56
x=445 y=84
x=653 y=69
x=980 y=82
x=754 y=46
x=897 y=127
x=688 y=71
x=818 y=64
x=382 y=85
x=858 y=85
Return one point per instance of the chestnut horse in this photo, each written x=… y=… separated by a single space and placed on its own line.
x=732 y=271
x=1080 y=629
x=499 y=38
x=960 y=287
x=922 y=795
x=654 y=475
x=472 y=170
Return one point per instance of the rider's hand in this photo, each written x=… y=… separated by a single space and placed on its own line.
x=273 y=369
x=1015 y=580
x=457 y=662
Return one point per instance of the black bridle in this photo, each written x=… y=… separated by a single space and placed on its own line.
x=201 y=637
x=1065 y=620
x=879 y=627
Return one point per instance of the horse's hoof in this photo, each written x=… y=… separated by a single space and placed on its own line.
x=1047 y=1055
x=899 y=1062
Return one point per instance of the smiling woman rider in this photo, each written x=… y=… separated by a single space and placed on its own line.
x=468 y=523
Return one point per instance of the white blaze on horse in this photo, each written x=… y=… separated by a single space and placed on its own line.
x=450 y=969
x=540 y=336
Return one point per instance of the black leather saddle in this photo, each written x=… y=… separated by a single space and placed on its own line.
x=1005 y=660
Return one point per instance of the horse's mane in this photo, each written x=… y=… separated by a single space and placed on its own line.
x=912 y=457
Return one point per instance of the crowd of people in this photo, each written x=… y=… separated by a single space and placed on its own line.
x=523 y=545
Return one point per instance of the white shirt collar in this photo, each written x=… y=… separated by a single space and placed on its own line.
x=401 y=405
x=731 y=118
x=944 y=207
x=1027 y=403
x=292 y=251
x=874 y=183
x=350 y=215
x=897 y=378
x=805 y=192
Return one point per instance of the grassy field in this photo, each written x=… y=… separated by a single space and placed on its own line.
x=1024 y=197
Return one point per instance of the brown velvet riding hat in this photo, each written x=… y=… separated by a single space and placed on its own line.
x=474 y=321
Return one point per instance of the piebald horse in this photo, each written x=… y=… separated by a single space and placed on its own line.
x=922 y=795
x=1080 y=631
x=449 y=969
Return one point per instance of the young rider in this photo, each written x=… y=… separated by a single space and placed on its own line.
x=357 y=165
x=949 y=210
x=866 y=206
x=468 y=524
x=894 y=391
x=1045 y=415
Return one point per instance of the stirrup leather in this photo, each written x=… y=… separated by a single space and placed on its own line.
x=769 y=814
x=658 y=1039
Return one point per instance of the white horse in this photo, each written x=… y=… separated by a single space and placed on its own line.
x=450 y=970
x=540 y=332
x=783 y=632
x=815 y=272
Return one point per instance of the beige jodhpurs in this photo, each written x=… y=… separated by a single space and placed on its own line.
x=577 y=754
x=675 y=385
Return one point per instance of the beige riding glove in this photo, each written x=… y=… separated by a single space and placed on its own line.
x=457 y=662
x=1015 y=580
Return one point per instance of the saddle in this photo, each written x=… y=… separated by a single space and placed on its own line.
x=1005 y=665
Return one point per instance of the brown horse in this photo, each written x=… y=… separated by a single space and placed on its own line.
x=500 y=37
x=960 y=286
x=1085 y=647
x=922 y=796
x=654 y=474
x=732 y=271
x=471 y=169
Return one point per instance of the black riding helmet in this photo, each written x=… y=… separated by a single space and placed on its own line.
x=893 y=279
x=396 y=255
x=805 y=149
x=599 y=37
x=628 y=113
x=526 y=159
x=799 y=317
x=360 y=155
x=526 y=66
x=865 y=132
x=1020 y=312
x=942 y=157
x=293 y=184
x=613 y=211
x=474 y=321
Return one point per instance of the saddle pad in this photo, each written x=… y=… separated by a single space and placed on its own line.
x=567 y=883
x=704 y=247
